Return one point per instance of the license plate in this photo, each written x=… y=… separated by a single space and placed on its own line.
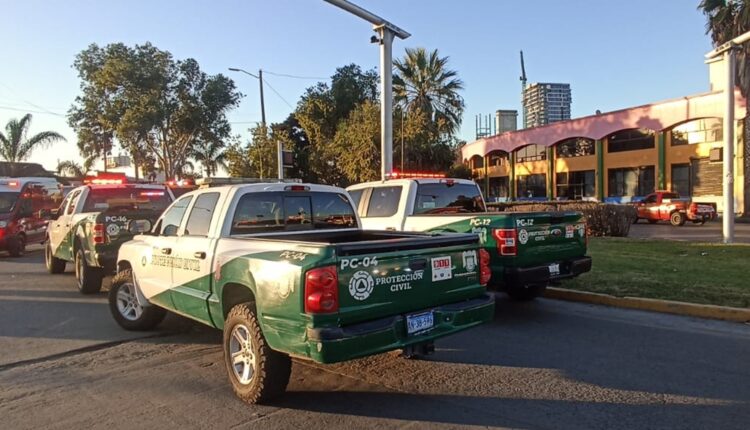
x=554 y=269
x=418 y=323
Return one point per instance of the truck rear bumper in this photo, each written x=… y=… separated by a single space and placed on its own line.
x=335 y=344
x=540 y=275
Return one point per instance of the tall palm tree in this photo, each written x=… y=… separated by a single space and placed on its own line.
x=210 y=155
x=74 y=169
x=16 y=146
x=423 y=82
x=727 y=19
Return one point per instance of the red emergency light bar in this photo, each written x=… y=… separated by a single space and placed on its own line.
x=414 y=175
x=105 y=179
x=180 y=183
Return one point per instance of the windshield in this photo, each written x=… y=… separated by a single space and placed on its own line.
x=670 y=196
x=126 y=199
x=7 y=201
x=446 y=197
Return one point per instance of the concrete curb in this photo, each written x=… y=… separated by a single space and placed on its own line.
x=664 y=306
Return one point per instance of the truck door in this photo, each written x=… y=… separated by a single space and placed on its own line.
x=191 y=272
x=383 y=208
x=154 y=276
x=59 y=230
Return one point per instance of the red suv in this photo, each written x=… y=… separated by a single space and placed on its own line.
x=23 y=205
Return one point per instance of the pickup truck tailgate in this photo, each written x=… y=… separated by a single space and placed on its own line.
x=543 y=237
x=390 y=277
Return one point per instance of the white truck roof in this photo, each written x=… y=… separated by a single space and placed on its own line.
x=408 y=181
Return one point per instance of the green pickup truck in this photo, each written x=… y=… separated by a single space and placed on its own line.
x=286 y=271
x=528 y=250
x=91 y=224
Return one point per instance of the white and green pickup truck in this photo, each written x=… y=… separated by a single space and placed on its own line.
x=286 y=271
x=528 y=250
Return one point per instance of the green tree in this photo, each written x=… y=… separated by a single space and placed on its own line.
x=153 y=105
x=727 y=19
x=357 y=144
x=257 y=159
x=16 y=145
x=424 y=82
x=74 y=169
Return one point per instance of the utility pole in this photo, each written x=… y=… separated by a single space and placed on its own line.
x=386 y=31
x=259 y=77
x=728 y=51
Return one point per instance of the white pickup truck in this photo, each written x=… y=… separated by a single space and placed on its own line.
x=528 y=250
x=286 y=271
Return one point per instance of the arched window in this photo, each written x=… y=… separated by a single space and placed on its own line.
x=698 y=131
x=630 y=140
x=531 y=153
x=575 y=147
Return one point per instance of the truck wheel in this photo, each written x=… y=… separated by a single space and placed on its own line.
x=125 y=308
x=54 y=265
x=677 y=219
x=526 y=293
x=89 y=278
x=17 y=246
x=257 y=373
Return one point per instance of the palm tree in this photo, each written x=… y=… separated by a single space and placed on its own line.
x=727 y=19
x=424 y=83
x=15 y=146
x=210 y=156
x=73 y=169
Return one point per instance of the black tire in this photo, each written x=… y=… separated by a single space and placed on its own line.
x=677 y=219
x=17 y=246
x=271 y=369
x=89 y=279
x=527 y=293
x=124 y=306
x=54 y=264
x=653 y=221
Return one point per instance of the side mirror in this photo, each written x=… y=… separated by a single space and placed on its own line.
x=139 y=226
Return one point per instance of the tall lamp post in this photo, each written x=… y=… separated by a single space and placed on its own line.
x=387 y=31
x=279 y=149
x=728 y=51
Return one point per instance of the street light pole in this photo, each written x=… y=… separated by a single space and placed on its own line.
x=728 y=52
x=259 y=77
x=387 y=32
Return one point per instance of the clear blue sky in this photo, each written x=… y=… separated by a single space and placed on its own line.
x=614 y=54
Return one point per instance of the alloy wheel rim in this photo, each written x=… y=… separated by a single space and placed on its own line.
x=127 y=302
x=241 y=354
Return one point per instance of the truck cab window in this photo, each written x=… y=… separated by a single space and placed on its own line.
x=258 y=213
x=171 y=220
x=440 y=198
x=201 y=215
x=384 y=201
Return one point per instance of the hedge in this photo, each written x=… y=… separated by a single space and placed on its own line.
x=602 y=219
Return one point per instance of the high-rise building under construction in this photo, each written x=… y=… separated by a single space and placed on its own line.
x=545 y=103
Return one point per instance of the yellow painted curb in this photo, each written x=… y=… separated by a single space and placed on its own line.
x=664 y=306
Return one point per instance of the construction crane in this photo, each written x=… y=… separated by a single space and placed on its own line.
x=523 y=89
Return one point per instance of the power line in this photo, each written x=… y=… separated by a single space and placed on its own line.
x=265 y=81
x=28 y=102
x=32 y=111
x=285 y=75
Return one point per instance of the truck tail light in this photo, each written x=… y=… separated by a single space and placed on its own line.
x=99 y=236
x=506 y=240
x=484 y=267
x=322 y=290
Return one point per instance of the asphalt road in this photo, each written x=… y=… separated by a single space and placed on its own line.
x=551 y=365
x=709 y=232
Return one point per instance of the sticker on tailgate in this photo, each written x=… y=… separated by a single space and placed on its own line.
x=442 y=268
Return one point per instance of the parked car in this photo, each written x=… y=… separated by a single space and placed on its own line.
x=669 y=206
x=22 y=205
x=93 y=221
x=285 y=270
x=528 y=250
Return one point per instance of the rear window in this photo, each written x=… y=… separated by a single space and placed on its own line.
x=7 y=201
x=448 y=198
x=126 y=199
x=270 y=212
x=670 y=196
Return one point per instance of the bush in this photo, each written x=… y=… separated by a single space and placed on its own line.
x=602 y=219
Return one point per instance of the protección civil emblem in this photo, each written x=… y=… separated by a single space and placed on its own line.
x=361 y=285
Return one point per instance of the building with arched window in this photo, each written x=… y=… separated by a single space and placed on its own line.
x=620 y=156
